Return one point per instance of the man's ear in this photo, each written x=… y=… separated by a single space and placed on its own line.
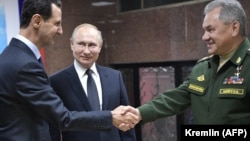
x=235 y=28
x=36 y=20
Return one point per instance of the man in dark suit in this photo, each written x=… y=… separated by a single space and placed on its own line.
x=27 y=101
x=71 y=85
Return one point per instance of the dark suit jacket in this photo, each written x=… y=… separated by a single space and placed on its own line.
x=68 y=86
x=28 y=103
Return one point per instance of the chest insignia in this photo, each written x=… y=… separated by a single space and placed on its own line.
x=232 y=91
x=236 y=78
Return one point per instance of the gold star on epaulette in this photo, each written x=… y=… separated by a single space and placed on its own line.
x=238 y=60
x=248 y=51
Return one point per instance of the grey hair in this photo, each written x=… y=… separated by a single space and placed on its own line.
x=90 y=26
x=231 y=10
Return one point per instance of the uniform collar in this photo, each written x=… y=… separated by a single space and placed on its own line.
x=241 y=52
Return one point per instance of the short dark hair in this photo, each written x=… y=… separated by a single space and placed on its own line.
x=42 y=7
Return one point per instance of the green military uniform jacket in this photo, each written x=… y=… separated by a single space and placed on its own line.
x=221 y=97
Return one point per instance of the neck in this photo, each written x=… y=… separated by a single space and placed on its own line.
x=30 y=35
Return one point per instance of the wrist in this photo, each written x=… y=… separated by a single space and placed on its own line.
x=138 y=114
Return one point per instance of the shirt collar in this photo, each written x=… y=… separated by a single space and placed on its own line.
x=32 y=46
x=81 y=70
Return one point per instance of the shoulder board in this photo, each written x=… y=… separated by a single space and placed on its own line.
x=248 y=51
x=204 y=58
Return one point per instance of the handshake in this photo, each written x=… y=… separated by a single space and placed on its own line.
x=125 y=117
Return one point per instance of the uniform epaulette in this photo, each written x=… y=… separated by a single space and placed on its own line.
x=248 y=51
x=204 y=58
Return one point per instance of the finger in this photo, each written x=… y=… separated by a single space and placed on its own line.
x=124 y=127
x=132 y=118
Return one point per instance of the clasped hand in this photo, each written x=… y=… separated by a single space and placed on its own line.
x=125 y=117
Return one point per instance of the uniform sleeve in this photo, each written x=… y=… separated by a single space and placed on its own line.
x=169 y=103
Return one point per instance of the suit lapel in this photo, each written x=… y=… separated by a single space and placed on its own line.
x=105 y=86
x=76 y=86
x=17 y=43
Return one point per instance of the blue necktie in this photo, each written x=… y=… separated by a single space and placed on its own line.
x=92 y=92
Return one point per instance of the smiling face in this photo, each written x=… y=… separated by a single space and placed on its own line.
x=51 y=27
x=86 y=46
x=41 y=31
x=217 y=35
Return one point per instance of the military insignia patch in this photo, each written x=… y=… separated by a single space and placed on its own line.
x=238 y=60
x=232 y=91
x=201 y=78
x=236 y=78
x=196 y=88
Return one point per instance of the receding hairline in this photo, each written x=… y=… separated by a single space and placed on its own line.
x=86 y=25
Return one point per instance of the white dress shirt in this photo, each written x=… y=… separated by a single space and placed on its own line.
x=80 y=70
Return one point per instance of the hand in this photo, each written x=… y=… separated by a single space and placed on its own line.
x=125 y=117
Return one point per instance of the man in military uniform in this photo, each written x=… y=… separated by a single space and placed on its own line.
x=217 y=88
